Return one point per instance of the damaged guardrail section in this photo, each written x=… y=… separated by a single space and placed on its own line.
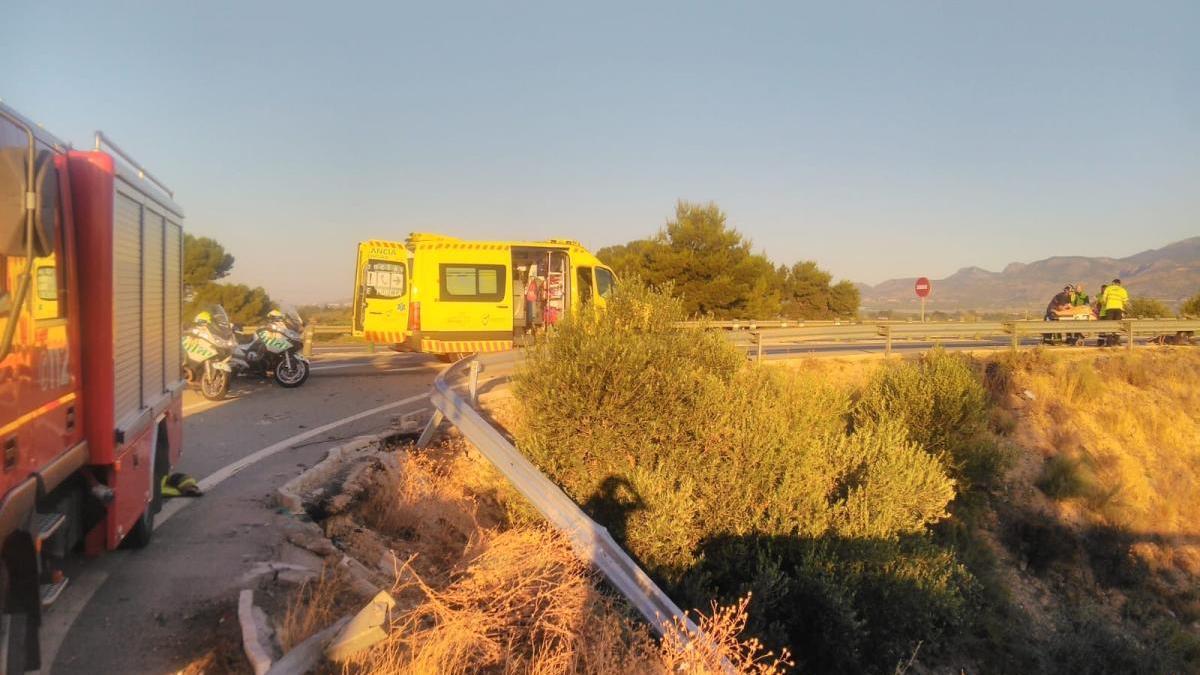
x=590 y=540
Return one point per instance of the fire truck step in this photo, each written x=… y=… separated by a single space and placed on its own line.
x=46 y=524
x=50 y=592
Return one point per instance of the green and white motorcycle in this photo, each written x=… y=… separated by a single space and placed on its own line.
x=274 y=350
x=208 y=353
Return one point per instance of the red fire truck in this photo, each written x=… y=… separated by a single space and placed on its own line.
x=90 y=385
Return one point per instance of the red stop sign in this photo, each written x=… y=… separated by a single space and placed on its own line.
x=923 y=287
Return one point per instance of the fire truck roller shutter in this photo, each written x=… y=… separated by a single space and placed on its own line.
x=12 y=202
x=127 y=306
x=153 y=312
x=173 y=293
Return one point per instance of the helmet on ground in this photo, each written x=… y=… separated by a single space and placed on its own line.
x=203 y=318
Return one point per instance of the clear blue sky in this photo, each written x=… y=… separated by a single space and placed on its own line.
x=880 y=139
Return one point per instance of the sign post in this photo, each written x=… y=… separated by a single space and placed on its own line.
x=923 y=289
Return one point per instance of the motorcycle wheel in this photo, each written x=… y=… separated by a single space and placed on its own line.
x=291 y=376
x=214 y=384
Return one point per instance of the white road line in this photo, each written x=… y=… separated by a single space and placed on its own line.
x=228 y=471
x=366 y=364
x=58 y=622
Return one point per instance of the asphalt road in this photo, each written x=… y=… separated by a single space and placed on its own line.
x=129 y=611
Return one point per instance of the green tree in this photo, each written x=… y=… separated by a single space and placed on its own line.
x=710 y=265
x=204 y=261
x=1191 y=307
x=1148 y=308
x=244 y=305
x=628 y=260
x=808 y=293
x=712 y=269
x=805 y=291
x=844 y=299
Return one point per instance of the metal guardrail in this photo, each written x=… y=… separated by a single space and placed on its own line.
x=311 y=330
x=758 y=334
x=590 y=540
x=887 y=331
x=754 y=324
x=1126 y=328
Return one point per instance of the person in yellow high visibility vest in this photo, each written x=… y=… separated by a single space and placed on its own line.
x=1114 y=300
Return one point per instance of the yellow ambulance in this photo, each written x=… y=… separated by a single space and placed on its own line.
x=452 y=297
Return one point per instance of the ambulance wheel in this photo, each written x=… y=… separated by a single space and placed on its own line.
x=291 y=376
x=214 y=385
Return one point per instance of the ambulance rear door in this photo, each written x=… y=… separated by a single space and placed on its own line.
x=381 y=292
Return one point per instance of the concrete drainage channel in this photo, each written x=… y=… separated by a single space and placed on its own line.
x=328 y=488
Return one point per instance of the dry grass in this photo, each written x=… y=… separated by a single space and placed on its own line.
x=1132 y=423
x=521 y=601
x=426 y=511
x=316 y=604
x=481 y=589
x=527 y=604
x=715 y=646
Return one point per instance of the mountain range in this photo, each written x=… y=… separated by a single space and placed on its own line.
x=1170 y=274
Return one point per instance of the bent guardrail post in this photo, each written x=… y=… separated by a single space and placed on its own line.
x=474 y=381
x=590 y=540
x=430 y=429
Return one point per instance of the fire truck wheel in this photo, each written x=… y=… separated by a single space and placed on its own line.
x=143 y=529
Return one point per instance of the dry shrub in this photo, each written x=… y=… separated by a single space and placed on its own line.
x=714 y=646
x=425 y=507
x=522 y=600
x=314 y=606
x=528 y=604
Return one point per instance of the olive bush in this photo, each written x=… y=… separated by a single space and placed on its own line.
x=720 y=476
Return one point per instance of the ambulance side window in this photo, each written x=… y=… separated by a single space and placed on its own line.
x=48 y=299
x=604 y=282
x=47 y=283
x=583 y=277
x=467 y=283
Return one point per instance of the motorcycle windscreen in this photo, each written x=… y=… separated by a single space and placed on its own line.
x=384 y=300
x=220 y=321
